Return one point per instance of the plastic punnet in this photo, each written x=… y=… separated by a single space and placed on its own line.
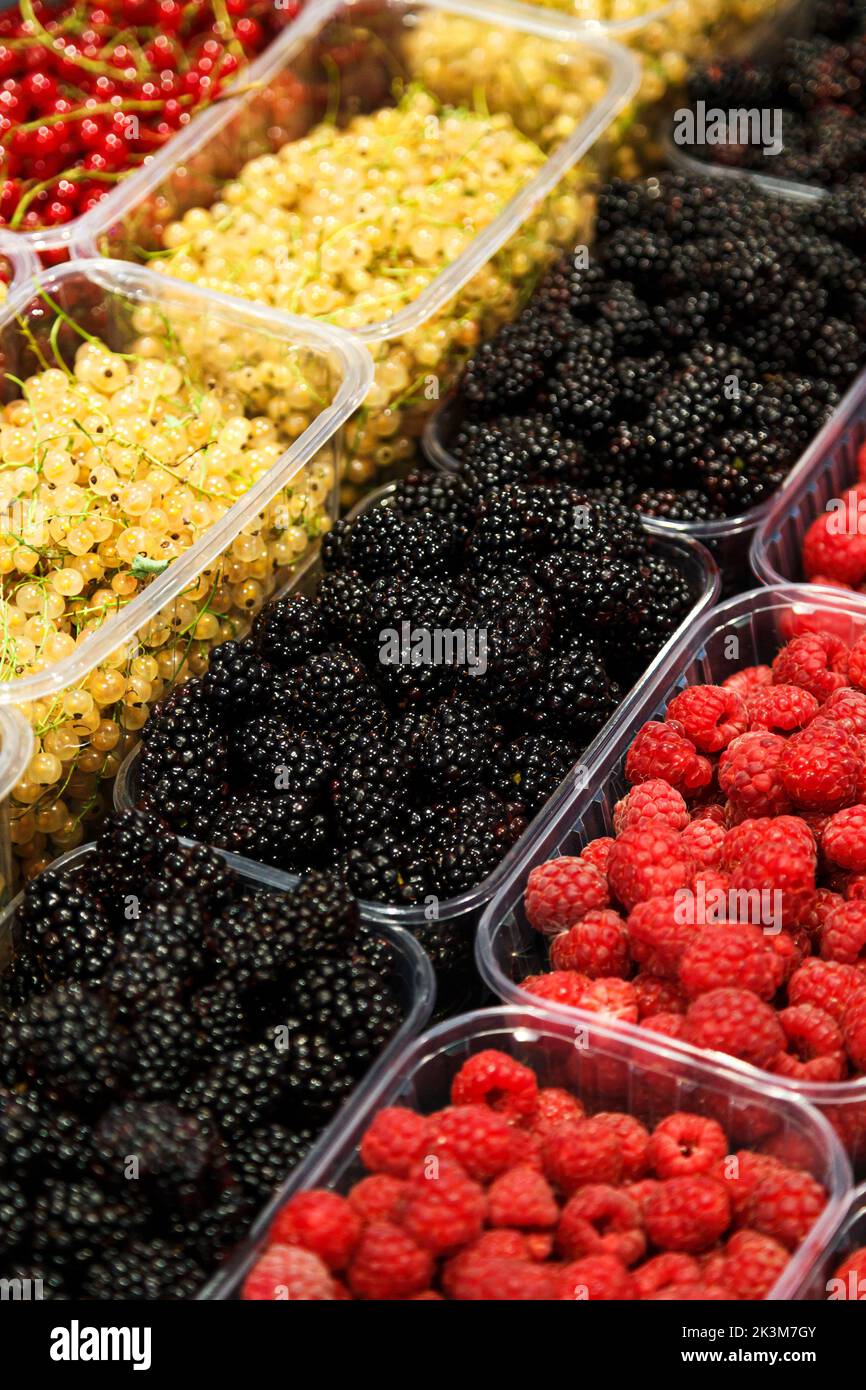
x=607 y=1071
x=819 y=1282
x=569 y=81
x=414 y=980
x=16 y=750
x=783 y=188
x=827 y=468
x=743 y=631
x=264 y=533
x=17 y=262
x=696 y=566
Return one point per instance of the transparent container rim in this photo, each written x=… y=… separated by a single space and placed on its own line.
x=474 y=898
x=423 y=998
x=356 y=370
x=383 y=1089
x=623 y=80
x=569 y=812
x=794 y=191
x=17 y=745
x=798 y=482
x=726 y=527
x=23 y=263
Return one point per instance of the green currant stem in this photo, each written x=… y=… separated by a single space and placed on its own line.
x=72 y=176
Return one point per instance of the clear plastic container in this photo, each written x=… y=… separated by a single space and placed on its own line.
x=413 y=978
x=727 y=539
x=607 y=1071
x=817 y=1284
x=235 y=563
x=744 y=631
x=464 y=911
x=568 y=82
x=827 y=468
x=16 y=750
x=702 y=168
x=18 y=265
x=55 y=243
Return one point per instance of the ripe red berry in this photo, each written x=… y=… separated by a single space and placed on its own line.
x=785 y=1204
x=597 y=945
x=562 y=891
x=684 y=1144
x=735 y=1021
x=320 y=1221
x=495 y=1079
x=388 y=1264
x=687 y=1214
x=575 y=1154
x=648 y=862
x=710 y=715
x=661 y=750
x=288 y=1273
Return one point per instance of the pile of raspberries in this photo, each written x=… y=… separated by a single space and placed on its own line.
x=514 y=1192
x=834 y=547
x=729 y=908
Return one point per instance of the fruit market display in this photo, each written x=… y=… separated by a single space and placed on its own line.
x=89 y=90
x=726 y=909
x=323 y=740
x=516 y=1191
x=115 y=463
x=818 y=84
x=683 y=364
x=208 y=1035
x=352 y=224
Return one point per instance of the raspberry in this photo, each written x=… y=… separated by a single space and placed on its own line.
x=662 y=751
x=820 y=767
x=751 y=1263
x=849 y=1278
x=523 y=1198
x=834 y=553
x=854 y=1029
x=286 y=1272
x=655 y=800
x=555 y=1107
x=559 y=987
x=649 y=862
x=598 y=1278
x=668 y=1024
x=656 y=939
x=320 y=1221
x=847 y=708
x=844 y=936
x=791 y=832
x=682 y=1145
x=687 y=1214
x=656 y=995
x=702 y=841
x=740 y=1174
x=597 y=853
x=444 y=1207
x=816 y=661
x=666 y=1271
x=750 y=777
x=610 y=998
x=781 y=709
x=737 y=1022
x=735 y=954
x=495 y=1079
x=701 y=1292
x=857 y=664
x=749 y=679
x=855 y=888
x=380 y=1197
x=816 y=1048
x=844 y=839
x=476 y=1136
x=785 y=1205
x=820 y=905
x=562 y=891
x=601 y=1220
x=597 y=945
x=488 y=1278
x=580 y=1153
x=501 y=1245
x=825 y=983
x=388 y=1264
x=710 y=715
x=633 y=1139
x=395 y=1138
x=784 y=877
x=525 y=1148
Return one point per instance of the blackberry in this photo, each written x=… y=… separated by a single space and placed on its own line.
x=569 y=286
x=575 y=692
x=513 y=620
x=581 y=394
x=688 y=505
x=240 y=1091
x=355 y=1006
x=842 y=215
x=166 y=935
x=132 y=844
x=196 y=876
x=472 y=842
x=628 y=317
x=329 y=694
x=506 y=369
x=594 y=593
x=64 y=934
x=166 y=1049
x=14 y=1215
x=457 y=747
x=836 y=352
x=345 y=600
x=290 y=833
x=532 y=767
x=388 y=869
x=322 y=912
x=638 y=255
x=66 y=1041
x=407 y=615
x=187 y=799
x=730 y=83
x=39 y=1140
x=425 y=493
x=288 y=630
x=264 y=1158
x=368 y=792
x=334 y=547
x=237 y=680
x=664 y=604
x=272 y=756
x=45 y=1282
x=383 y=542
x=77 y=1223
x=489 y=456
x=316 y=1078
x=173 y=1153
x=219 y=1017
x=145 y=1271
x=208 y=1235
x=814 y=72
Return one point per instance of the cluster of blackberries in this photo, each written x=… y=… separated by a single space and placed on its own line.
x=466 y=641
x=685 y=364
x=171 y=1043
x=819 y=85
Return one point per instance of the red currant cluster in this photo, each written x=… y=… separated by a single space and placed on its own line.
x=89 y=90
